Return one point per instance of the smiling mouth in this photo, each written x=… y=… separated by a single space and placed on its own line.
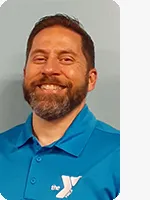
x=51 y=87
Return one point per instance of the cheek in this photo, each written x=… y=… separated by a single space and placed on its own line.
x=70 y=73
x=31 y=72
x=74 y=74
x=29 y=78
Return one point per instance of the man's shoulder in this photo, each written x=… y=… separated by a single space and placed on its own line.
x=11 y=134
x=106 y=135
x=105 y=143
x=106 y=128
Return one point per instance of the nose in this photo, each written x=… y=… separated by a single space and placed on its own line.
x=51 y=67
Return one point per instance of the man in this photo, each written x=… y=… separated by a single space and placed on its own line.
x=61 y=151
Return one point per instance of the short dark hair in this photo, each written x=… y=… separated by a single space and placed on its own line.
x=70 y=23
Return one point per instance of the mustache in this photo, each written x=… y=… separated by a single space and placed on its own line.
x=51 y=80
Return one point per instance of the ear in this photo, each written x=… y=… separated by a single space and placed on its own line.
x=24 y=71
x=92 y=79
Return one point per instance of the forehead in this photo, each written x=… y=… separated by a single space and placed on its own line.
x=58 y=37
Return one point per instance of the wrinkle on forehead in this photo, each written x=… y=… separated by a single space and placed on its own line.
x=58 y=38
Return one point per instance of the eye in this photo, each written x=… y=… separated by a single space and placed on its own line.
x=66 y=60
x=39 y=59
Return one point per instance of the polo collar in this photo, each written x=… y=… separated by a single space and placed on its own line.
x=77 y=135
x=27 y=132
x=74 y=139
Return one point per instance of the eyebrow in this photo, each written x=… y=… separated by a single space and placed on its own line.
x=39 y=51
x=60 y=52
x=67 y=51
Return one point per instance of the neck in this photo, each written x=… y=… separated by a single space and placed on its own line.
x=48 y=132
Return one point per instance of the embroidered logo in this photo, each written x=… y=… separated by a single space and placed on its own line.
x=68 y=183
x=54 y=187
x=1 y=197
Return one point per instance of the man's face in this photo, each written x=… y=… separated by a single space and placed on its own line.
x=56 y=79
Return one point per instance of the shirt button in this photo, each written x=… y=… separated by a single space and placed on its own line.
x=33 y=180
x=38 y=159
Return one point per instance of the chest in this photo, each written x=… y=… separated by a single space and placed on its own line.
x=49 y=175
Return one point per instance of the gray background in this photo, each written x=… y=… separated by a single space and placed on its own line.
x=101 y=19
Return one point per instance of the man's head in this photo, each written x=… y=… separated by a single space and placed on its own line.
x=59 y=67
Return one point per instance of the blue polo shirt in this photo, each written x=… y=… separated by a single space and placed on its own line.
x=82 y=165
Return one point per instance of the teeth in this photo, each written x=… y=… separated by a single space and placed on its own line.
x=51 y=87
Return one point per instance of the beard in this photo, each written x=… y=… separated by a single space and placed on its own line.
x=54 y=105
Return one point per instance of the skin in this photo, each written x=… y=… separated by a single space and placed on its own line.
x=60 y=55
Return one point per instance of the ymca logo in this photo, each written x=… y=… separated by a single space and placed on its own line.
x=69 y=183
x=1 y=197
